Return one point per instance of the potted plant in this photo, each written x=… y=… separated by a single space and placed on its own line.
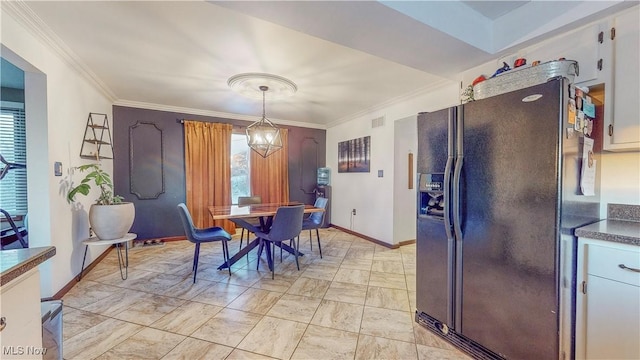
x=109 y=217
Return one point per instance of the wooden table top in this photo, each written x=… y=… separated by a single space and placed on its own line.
x=254 y=210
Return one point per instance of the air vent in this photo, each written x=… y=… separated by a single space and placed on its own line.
x=377 y=122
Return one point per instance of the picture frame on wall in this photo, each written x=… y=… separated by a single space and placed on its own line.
x=354 y=155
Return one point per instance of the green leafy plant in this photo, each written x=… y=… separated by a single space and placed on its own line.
x=101 y=179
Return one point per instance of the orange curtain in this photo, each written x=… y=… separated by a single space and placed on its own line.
x=207 y=152
x=270 y=175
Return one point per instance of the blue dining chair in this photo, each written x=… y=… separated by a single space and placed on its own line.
x=251 y=225
x=198 y=236
x=315 y=220
x=286 y=225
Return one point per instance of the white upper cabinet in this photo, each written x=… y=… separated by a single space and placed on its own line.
x=622 y=120
x=607 y=55
x=581 y=45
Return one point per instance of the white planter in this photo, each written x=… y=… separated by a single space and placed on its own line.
x=111 y=221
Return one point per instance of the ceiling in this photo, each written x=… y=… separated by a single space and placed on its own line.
x=346 y=57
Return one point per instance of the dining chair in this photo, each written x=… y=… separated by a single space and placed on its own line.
x=250 y=224
x=198 y=236
x=315 y=220
x=13 y=234
x=286 y=225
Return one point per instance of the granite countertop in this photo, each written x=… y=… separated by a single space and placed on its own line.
x=621 y=231
x=622 y=225
x=14 y=263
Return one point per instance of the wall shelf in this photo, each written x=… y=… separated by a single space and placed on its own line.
x=97 y=143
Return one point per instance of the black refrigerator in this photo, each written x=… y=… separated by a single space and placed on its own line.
x=499 y=197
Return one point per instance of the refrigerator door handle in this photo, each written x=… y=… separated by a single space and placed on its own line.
x=457 y=173
x=457 y=225
x=448 y=226
x=447 y=173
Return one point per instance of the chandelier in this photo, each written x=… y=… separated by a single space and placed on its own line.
x=263 y=136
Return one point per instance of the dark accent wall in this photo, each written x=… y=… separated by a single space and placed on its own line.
x=148 y=145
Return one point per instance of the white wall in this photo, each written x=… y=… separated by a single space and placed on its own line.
x=371 y=196
x=58 y=101
x=620 y=181
x=404 y=199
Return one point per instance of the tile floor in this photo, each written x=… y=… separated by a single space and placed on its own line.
x=357 y=302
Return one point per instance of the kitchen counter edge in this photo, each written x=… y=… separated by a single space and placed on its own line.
x=14 y=263
x=620 y=231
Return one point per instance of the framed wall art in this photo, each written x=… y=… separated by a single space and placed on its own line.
x=354 y=155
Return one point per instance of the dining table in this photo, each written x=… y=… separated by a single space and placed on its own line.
x=264 y=212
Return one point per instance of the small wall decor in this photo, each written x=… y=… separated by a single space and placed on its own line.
x=354 y=155
x=410 y=173
x=97 y=134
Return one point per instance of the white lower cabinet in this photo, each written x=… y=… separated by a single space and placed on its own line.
x=608 y=300
x=21 y=335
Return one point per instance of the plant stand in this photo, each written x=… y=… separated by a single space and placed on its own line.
x=123 y=260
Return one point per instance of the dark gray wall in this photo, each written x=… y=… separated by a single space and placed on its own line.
x=154 y=141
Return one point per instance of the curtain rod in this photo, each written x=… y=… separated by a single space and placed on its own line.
x=181 y=121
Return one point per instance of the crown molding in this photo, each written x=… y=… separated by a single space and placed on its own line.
x=211 y=113
x=25 y=16
x=397 y=100
x=391 y=102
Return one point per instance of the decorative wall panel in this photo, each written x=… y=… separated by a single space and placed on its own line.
x=309 y=165
x=146 y=161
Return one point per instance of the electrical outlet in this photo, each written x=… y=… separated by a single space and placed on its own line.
x=353 y=212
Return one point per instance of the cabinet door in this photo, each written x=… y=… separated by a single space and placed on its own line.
x=613 y=319
x=22 y=336
x=580 y=45
x=607 y=301
x=623 y=133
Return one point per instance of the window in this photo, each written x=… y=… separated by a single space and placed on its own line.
x=240 y=167
x=13 y=148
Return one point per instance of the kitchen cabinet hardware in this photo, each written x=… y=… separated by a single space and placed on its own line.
x=3 y=323
x=613 y=33
x=601 y=37
x=622 y=266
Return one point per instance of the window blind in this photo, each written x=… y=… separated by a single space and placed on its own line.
x=13 y=147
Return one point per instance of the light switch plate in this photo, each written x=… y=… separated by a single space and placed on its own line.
x=57 y=168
